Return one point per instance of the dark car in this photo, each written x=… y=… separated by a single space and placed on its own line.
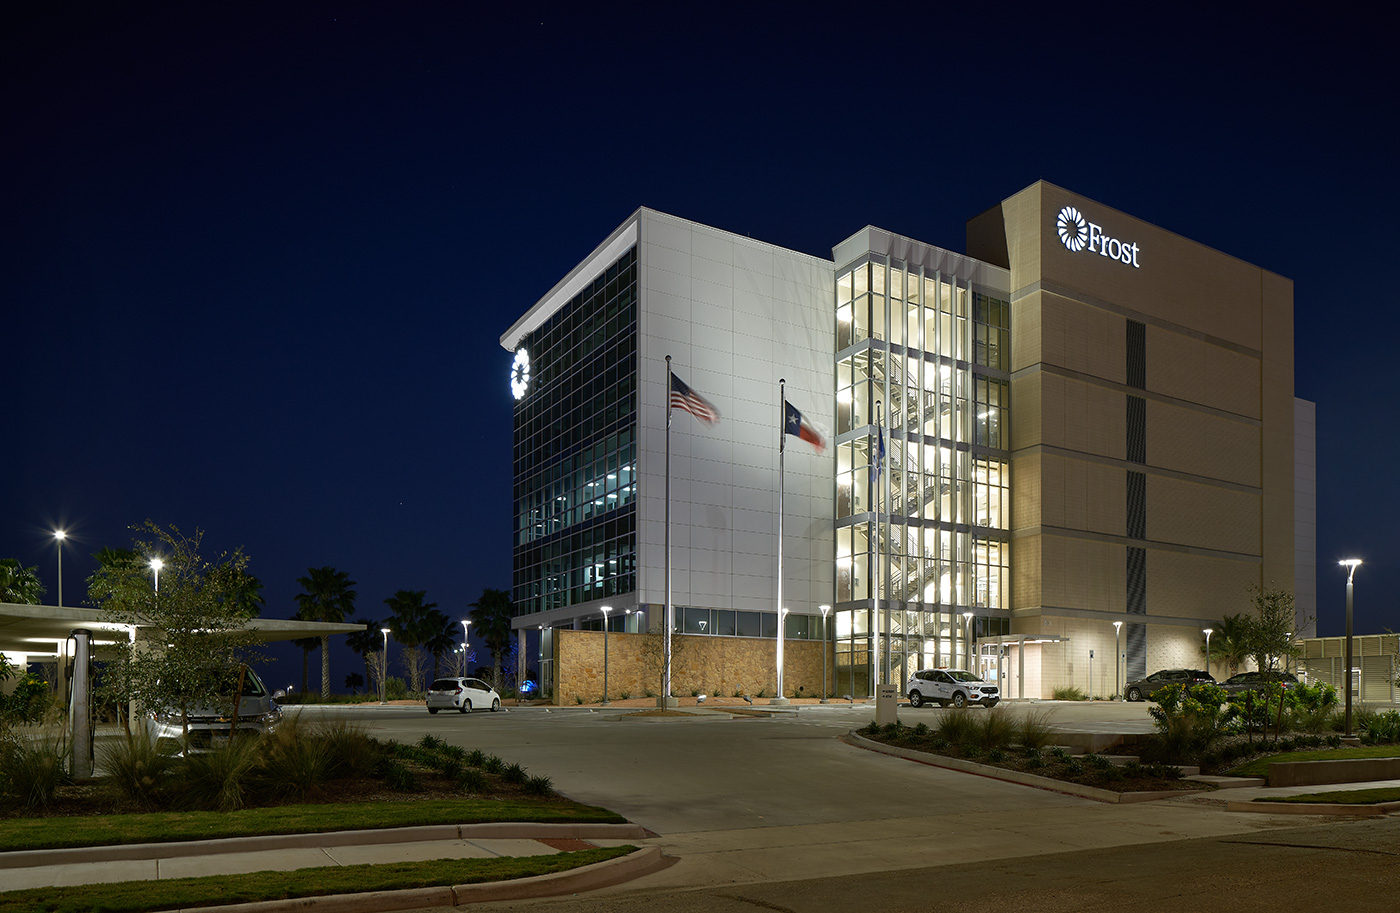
x=1256 y=681
x=1146 y=687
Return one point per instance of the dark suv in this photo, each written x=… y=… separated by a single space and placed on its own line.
x=1145 y=688
x=1257 y=681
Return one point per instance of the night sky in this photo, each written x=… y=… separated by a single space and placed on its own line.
x=257 y=257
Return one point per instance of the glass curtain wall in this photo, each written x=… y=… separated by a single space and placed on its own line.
x=575 y=450
x=924 y=356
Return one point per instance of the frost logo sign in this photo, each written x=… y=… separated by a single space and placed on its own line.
x=1078 y=233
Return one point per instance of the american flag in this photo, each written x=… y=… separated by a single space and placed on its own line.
x=682 y=397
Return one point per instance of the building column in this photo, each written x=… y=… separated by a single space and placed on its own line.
x=520 y=664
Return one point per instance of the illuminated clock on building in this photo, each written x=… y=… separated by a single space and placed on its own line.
x=520 y=373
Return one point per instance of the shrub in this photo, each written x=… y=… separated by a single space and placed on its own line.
x=870 y=730
x=921 y=729
x=1190 y=722
x=398 y=777
x=222 y=779
x=494 y=765
x=515 y=775
x=138 y=770
x=294 y=762
x=994 y=729
x=395 y=689
x=625 y=695
x=353 y=751
x=1068 y=693
x=996 y=755
x=32 y=770
x=1035 y=762
x=1379 y=728
x=471 y=780
x=1033 y=730
x=1058 y=753
x=476 y=757
x=539 y=786
x=956 y=727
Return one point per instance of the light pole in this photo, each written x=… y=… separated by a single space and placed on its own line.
x=967 y=617
x=1117 y=656
x=1351 y=564
x=59 y=535
x=606 y=702
x=1208 y=632
x=156 y=565
x=384 y=667
x=825 y=609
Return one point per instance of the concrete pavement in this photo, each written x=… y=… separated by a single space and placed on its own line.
x=750 y=802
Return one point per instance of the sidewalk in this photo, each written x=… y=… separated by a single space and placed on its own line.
x=239 y=855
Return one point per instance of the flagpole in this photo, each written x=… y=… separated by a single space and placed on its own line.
x=666 y=640
x=782 y=448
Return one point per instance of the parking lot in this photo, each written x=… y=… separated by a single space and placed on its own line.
x=748 y=800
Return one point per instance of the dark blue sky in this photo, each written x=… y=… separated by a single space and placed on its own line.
x=257 y=256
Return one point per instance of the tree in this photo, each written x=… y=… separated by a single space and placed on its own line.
x=491 y=616
x=19 y=584
x=366 y=643
x=413 y=623
x=307 y=644
x=443 y=640
x=1270 y=637
x=329 y=597
x=353 y=681
x=1229 y=642
x=195 y=629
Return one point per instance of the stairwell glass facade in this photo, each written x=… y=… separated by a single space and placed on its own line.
x=922 y=356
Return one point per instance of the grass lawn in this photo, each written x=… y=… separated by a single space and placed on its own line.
x=165 y=827
x=1342 y=796
x=1259 y=767
x=176 y=893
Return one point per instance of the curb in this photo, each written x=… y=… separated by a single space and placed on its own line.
x=586 y=878
x=1014 y=776
x=496 y=830
x=1314 y=808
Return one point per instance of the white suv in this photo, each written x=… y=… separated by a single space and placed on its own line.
x=951 y=686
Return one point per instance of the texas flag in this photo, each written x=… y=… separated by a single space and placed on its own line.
x=795 y=422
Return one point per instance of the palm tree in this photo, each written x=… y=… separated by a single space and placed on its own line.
x=1229 y=642
x=491 y=615
x=443 y=638
x=307 y=644
x=329 y=597
x=366 y=642
x=411 y=623
x=19 y=584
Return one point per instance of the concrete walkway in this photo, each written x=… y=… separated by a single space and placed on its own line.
x=240 y=855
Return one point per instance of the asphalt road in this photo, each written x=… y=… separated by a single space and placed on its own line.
x=778 y=814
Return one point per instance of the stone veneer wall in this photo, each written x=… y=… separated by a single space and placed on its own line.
x=712 y=665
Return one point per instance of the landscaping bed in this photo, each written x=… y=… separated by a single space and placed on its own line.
x=1023 y=745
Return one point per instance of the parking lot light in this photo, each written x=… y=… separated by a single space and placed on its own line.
x=1351 y=564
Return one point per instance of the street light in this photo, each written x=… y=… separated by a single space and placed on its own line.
x=156 y=565
x=967 y=616
x=1117 y=656
x=825 y=609
x=466 y=642
x=59 y=535
x=1208 y=632
x=384 y=667
x=606 y=702
x=1351 y=564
